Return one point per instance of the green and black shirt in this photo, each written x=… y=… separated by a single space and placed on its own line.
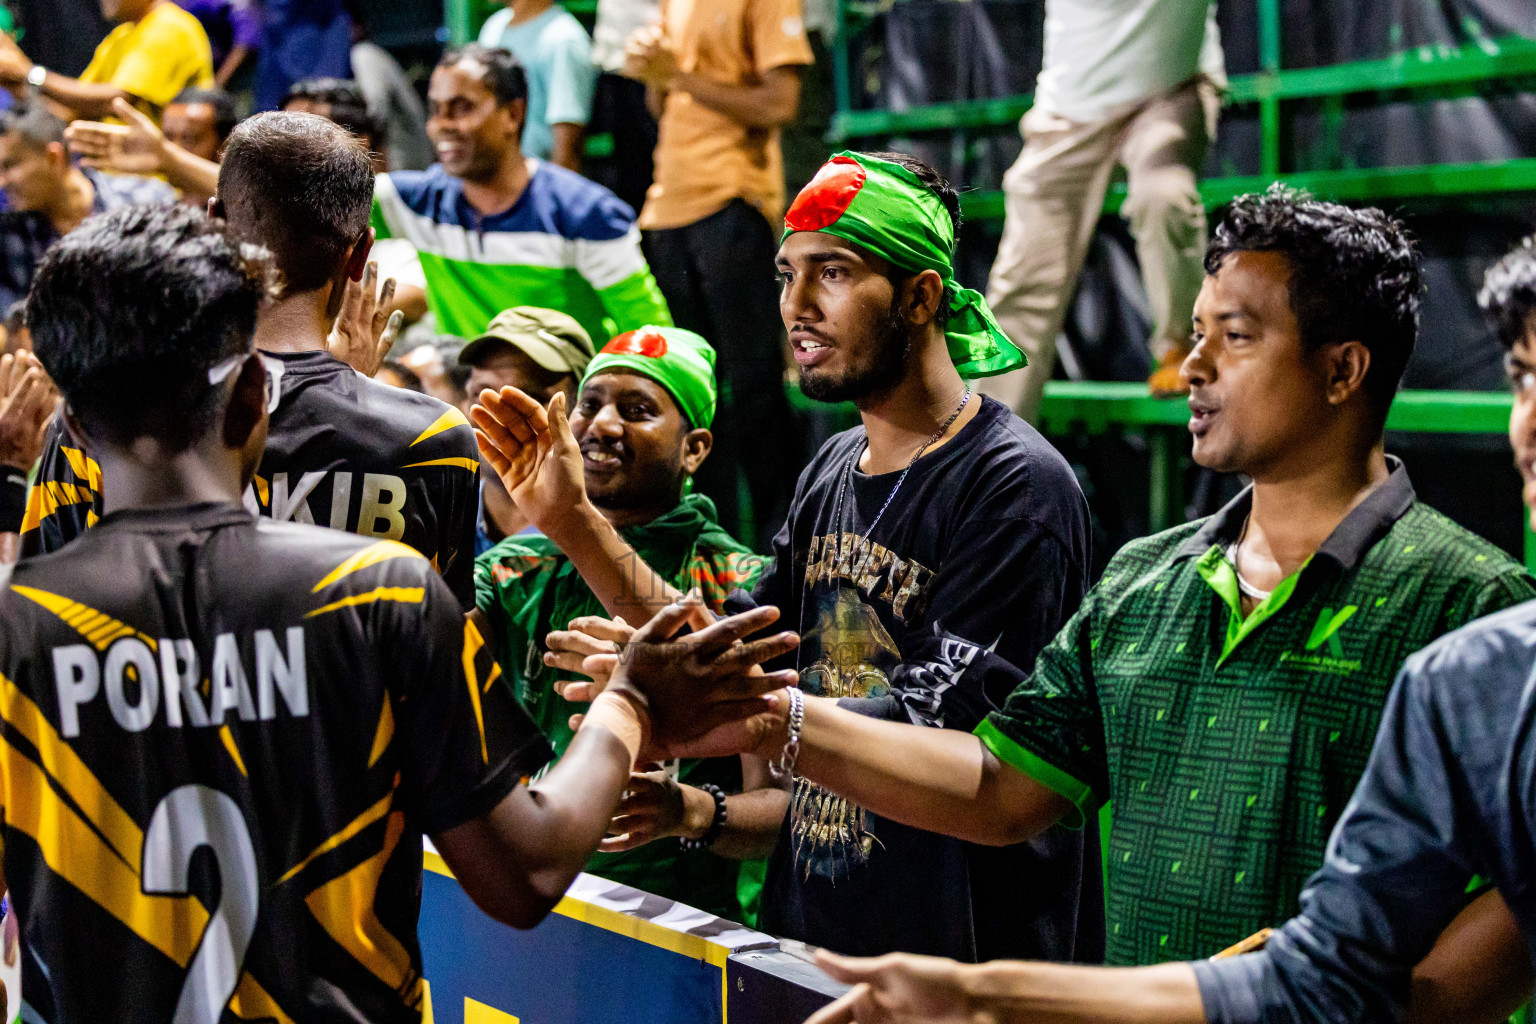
x=1230 y=744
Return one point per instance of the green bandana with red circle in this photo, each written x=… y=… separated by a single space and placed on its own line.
x=883 y=207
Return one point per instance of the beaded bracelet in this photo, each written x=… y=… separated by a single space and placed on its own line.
x=716 y=824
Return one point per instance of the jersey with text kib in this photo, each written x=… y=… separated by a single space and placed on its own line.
x=221 y=740
x=342 y=451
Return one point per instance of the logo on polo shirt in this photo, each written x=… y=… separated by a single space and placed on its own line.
x=1326 y=630
x=1325 y=633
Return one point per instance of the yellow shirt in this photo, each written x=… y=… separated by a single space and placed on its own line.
x=704 y=159
x=156 y=57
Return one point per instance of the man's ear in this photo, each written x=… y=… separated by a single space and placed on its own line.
x=73 y=428
x=358 y=261
x=1347 y=364
x=517 y=112
x=216 y=208
x=921 y=297
x=247 y=410
x=697 y=445
x=58 y=156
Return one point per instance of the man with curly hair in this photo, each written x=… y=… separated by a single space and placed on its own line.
x=1223 y=683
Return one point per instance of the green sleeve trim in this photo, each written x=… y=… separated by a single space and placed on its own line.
x=378 y=222
x=635 y=302
x=1042 y=771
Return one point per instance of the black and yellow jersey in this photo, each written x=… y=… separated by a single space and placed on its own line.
x=342 y=451
x=221 y=740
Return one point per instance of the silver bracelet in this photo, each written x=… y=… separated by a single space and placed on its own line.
x=791 y=754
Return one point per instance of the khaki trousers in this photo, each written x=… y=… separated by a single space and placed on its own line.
x=1054 y=196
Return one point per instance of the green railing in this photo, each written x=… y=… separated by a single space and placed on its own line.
x=1430 y=72
x=1098 y=407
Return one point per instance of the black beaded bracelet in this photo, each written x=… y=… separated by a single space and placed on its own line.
x=716 y=825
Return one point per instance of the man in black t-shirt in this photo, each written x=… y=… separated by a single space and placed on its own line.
x=929 y=555
x=344 y=451
x=222 y=738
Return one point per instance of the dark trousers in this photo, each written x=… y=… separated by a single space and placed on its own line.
x=718 y=278
x=619 y=110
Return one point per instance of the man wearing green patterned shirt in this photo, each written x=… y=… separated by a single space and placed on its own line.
x=642 y=420
x=496 y=229
x=1223 y=682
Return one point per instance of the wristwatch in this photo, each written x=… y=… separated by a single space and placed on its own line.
x=37 y=76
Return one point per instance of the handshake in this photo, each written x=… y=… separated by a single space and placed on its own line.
x=701 y=694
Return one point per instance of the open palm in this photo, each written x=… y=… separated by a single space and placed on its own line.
x=533 y=452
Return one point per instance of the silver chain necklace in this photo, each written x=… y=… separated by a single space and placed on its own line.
x=853 y=460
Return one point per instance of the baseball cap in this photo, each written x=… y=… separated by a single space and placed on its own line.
x=550 y=338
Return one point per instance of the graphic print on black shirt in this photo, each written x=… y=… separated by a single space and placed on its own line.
x=302 y=704
x=342 y=451
x=973 y=568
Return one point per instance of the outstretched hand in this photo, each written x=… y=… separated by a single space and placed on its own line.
x=587 y=637
x=365 y=329
x=699 y=687
x=533 y=451
x=137 y=146
x=898 y=988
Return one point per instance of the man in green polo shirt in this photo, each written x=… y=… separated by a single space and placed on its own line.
x=642 y=419
x=1223 y=682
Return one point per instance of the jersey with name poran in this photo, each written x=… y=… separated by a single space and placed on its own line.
x=342 y=451
x=221 y=740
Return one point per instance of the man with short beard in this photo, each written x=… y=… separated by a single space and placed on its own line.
x=641 y=421
x=929 y=554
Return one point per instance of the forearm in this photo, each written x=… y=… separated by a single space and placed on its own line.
x=87 y=99
x=941 y=780
x=752 y=824
x=1479 y=971
x=189 y=172
x=655 y=101
x=237 y=55
x=567 y=145
x=756 y=106
x=578 y=797
x=1005 y=992
x=614 y=571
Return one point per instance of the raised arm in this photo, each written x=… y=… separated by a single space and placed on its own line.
x=539 y=462
x=138 y=146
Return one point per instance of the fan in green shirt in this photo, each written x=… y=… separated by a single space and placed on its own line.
x=642 y=420
x=1223 y=682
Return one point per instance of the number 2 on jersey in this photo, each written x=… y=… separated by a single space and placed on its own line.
x=190 y=817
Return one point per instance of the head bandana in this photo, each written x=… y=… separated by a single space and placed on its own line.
x=678 y=360
x=883 y=207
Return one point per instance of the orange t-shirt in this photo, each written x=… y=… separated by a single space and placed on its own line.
x=704 y=159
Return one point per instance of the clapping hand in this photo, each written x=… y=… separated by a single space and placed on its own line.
x=531 y=448
x=649 y=58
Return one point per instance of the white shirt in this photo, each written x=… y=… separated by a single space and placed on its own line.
x=617 y=20
x=1104 y=56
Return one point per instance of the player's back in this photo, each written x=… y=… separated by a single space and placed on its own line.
x=342 y=451
x=222 y=741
